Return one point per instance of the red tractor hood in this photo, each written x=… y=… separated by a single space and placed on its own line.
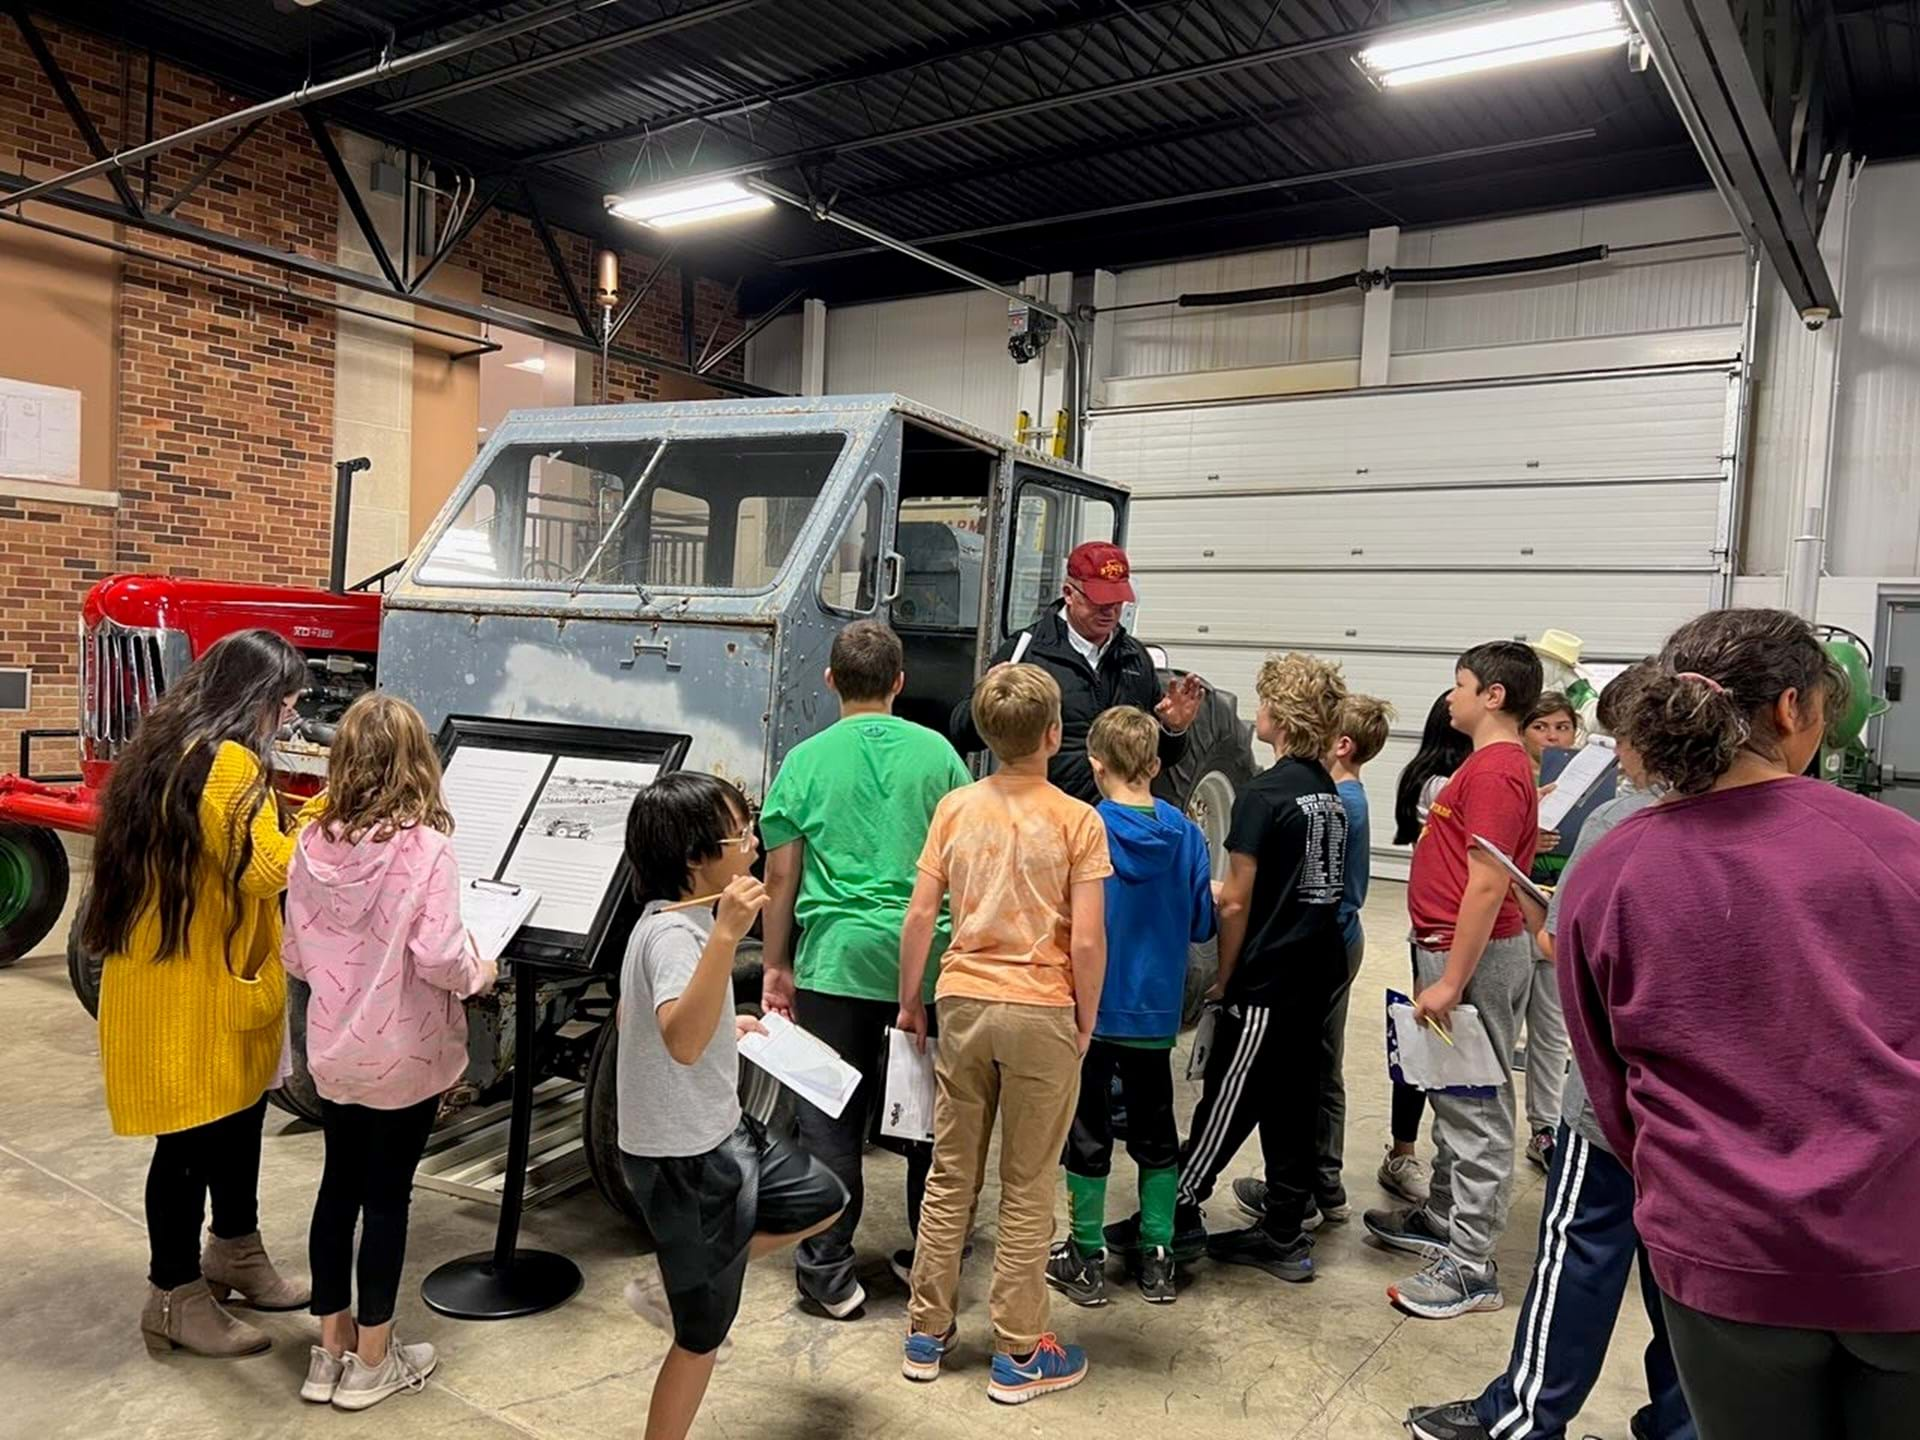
x=207 y=610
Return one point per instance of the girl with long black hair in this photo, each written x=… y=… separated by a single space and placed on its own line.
x=188 y=871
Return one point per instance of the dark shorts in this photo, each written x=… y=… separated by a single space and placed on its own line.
x=704 y=1211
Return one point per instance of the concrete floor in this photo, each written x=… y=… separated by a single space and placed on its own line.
x=1238 y=1355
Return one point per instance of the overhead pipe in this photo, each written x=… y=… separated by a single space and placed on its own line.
x=388 y=67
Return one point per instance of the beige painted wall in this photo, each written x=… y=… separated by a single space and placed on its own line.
x=57 y=327
x=446 y=406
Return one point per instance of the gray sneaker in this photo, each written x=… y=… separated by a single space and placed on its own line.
x=323 y=1376
x=363 y=1386
x=1447 y=1288
x=1405 y=1176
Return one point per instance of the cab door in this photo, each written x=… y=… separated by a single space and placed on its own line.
x=1041 y=517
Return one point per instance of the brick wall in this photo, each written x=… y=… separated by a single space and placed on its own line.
x=514 y=267
x=224 y=410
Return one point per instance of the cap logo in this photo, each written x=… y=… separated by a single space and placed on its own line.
x=1113 y=570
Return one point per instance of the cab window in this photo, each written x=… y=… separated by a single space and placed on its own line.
x=1048 y=521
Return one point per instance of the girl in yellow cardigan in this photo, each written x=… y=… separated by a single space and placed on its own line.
x=188 y=871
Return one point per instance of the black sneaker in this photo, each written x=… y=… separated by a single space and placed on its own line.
x=1251 y=1196
x=1156 y=1271
x=1080 y=1275
x=1412 y=1230
x=1254 y=1246
x=1189 y=1236
x=1456 y=1420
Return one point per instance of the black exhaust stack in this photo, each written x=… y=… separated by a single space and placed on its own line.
x=343 y=471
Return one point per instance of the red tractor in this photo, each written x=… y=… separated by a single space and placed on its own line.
x=139 y=633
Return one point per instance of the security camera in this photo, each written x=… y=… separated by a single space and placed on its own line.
x=1028 y=331
x=1816 y=316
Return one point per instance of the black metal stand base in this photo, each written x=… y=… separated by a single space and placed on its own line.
x=474 y=1288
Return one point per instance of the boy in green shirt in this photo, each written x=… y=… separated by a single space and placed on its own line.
x=843 y=825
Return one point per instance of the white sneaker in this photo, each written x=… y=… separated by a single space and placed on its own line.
x=856 y=1297
x=323 y=1375
x=363 y=1386
x=646 y=1296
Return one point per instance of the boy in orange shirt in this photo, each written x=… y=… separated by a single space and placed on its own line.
x=1023 y=867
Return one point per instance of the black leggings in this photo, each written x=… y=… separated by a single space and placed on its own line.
x=222 y=1156
x=1409 y=1104
x=371 y=1157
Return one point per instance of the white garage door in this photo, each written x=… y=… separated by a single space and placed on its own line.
x=1391 y=529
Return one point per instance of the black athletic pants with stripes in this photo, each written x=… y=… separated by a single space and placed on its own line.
x=1265 y=1070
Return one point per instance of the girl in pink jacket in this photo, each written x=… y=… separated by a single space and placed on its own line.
x=373 y=926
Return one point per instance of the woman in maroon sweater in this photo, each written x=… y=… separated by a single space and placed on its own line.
x=1739 y=967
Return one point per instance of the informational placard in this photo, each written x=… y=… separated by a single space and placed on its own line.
x=39 y=432
x=542 y=809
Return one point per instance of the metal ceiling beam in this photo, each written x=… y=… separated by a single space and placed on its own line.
x=1697 y=49
x=597 y=45
x=891 y=69
x=13 y=186
x=63 y=88
x=356 y=203
x=765 y=318
x=1225 y=192
x=387 y=68
x=1044 y=104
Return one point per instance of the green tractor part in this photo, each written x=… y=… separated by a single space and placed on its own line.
x=1845 y=758
x=33 y=887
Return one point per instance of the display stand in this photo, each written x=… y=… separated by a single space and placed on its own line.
x=507 y=1282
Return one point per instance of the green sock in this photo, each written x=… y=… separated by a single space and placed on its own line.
x=1087 y=1205
x=1158 y=1189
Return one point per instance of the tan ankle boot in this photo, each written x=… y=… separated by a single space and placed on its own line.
x=241 y=1267
x=189 y=1318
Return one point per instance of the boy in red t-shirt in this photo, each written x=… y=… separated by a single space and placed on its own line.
x=1470 y=944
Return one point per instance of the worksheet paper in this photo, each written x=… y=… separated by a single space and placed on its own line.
x=1418 y=1056
x=802 y=1062
x=573 y=842
x=1581 y=774
x=907 y=1111
x=1519 y=877
x=487 y=791
x=493 y=914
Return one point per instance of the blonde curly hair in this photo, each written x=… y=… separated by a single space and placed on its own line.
x=1302 y=694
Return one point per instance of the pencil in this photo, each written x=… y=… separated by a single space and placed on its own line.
x=1438 y=1027
x=689 y=904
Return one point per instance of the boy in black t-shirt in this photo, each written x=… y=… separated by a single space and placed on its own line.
x=1281 y=956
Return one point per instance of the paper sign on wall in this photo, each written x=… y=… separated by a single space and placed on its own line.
x=39 y=432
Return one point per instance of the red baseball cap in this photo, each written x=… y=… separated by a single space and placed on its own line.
x=1100 y=569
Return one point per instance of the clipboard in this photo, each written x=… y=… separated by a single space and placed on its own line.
x=493 y=913
x=536 y=751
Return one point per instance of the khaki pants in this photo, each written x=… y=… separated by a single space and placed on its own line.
x=1021 y=1062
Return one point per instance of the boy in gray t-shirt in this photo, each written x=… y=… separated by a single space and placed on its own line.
x=713 y=1187
x=1587 y=1238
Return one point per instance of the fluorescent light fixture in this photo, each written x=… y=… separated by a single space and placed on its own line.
x=1441 y=52
x=671 y=206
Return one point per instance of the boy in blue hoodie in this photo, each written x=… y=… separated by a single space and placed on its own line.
x=1158 y=901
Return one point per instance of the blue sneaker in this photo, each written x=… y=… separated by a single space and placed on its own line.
x=1052 y=1366
x=925 y=1352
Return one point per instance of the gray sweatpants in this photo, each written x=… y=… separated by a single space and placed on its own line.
x=1547 y=1048
x=1473 y=1136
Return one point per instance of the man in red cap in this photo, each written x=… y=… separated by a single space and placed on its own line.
x=1082 y=644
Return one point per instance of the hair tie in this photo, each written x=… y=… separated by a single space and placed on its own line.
x=1706 y=680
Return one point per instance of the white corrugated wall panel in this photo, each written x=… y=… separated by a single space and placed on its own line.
x=1677 y=287
x=1777 y=434
x=1618 y=523
x=1874 y=527
x=1628 y=427
x=947 y=351
x=773 y=356
x=1165 y=341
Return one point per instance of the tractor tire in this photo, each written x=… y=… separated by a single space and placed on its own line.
x=1209 y=778
x=297 y=1095
x=761 y=1096
x=33 y=888
x=83 y=970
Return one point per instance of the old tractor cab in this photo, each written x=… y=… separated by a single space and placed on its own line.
x=682 y=569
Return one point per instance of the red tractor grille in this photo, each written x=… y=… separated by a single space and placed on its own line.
x=123 y=674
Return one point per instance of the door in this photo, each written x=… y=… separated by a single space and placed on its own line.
x=1049 y=514
x=1900 y=727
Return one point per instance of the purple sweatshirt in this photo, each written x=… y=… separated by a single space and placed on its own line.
x=1739 y=971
